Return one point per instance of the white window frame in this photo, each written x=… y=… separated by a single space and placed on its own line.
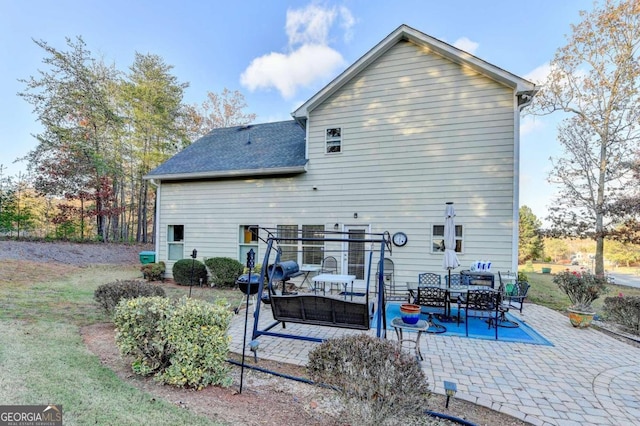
x=311 y=246
x=299 y=247
x=250 y=232
x=331 y=141
x=175 y=243
x=437 y=240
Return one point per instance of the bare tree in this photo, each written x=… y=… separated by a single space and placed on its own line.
x=594 y=80
x=219 y=110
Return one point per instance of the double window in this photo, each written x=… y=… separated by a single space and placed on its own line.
x=437 y=239
x=333 y=140
x=303 y=252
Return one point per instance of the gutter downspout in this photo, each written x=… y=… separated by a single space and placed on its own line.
x=522 y=100
x=156 y=241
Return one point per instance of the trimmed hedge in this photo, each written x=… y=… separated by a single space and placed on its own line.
x=109 y=295
x=153 y=271
x=182 y=270
x=624 y=311
x=182 y=343
x=224 y=271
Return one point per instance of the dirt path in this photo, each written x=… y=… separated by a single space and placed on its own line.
x=72 y=253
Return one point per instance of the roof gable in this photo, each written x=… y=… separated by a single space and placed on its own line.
x=404 y=32
x=259 y=149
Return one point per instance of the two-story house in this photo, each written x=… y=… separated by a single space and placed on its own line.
x=411 y=125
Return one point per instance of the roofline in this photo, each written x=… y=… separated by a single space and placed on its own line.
x=276 y=171
x=404 y=32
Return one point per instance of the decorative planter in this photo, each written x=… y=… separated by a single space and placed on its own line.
x=580 y=319
x=410 y=313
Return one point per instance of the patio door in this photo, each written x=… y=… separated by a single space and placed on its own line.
x=355 y=257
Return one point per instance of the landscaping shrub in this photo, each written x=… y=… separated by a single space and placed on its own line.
x=139 y=332
x=197 y=334
x=522 y=276
x=224 y=271
x=153 y=271
x=182 y=343
x=625 y=311
x=376 y=380
x=182 y=271
x=109 y=295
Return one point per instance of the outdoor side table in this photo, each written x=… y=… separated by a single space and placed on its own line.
x=420 y=327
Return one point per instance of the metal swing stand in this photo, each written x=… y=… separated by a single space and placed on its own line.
x=317 y=309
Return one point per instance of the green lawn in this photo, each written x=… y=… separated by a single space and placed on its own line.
x=544 y=292
x=43 y=359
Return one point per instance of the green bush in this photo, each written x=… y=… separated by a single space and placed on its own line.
x=197 y=333
x=182 y=272
x=182 y=343
x=528 y=266
x=625 y=311
x=153 y=271
x=376 y=381
x=522 y=276
x=109 y=295
x=139 y=333
x=224 y=271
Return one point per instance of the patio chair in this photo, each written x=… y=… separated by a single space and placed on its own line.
x=480 y=304
x=429 y=279
x=391 y=293
x=456 y=280
x=433 y=300
x=329 y=265
x=515 y=298
x=503 y=309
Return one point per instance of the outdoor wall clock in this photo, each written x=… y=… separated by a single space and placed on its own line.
x=399 y=239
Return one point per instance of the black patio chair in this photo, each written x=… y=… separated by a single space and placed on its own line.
x=480 y=304
x=433 y=300
x=515 y=298
x=503 y=309
x=429 y=279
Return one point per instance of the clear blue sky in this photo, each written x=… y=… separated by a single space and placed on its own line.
x=279 y=53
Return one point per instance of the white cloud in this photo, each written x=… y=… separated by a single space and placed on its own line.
x=530 y=124
x=348 y=21
x=309 y=25
x=539 y=75
x=310 y=58
x=287 y=72
x=467 y=45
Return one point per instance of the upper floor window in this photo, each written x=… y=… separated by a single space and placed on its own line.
x=437 y=239
x=333 y=140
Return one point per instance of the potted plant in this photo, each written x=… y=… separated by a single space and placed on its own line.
x=582 y=288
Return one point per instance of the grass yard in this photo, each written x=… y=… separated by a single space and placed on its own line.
x=44 y=360
x=544 y=292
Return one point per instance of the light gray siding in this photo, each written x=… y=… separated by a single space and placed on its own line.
x=417 y=131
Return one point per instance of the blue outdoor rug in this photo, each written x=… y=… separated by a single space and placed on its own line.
x=478 y=328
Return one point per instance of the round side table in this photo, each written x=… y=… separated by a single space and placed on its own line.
x=420 y=327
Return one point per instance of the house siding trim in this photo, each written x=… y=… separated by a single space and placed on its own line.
x=231 y=173
x=434 y=45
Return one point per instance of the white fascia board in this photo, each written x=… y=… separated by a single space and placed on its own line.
x=439 y=47
x=229 y=174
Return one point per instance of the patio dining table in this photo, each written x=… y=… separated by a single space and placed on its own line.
x=454 y=290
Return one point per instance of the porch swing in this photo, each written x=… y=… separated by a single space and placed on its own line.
x=315 y=308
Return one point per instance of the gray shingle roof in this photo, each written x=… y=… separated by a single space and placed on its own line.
x=261 y=148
